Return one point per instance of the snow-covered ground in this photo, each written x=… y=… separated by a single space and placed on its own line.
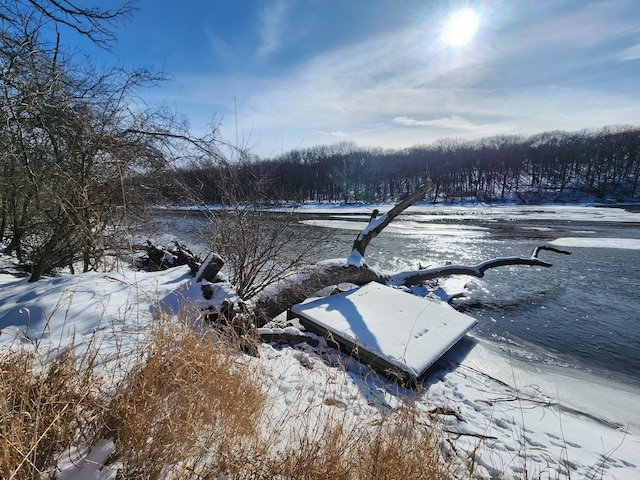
x=507 y=422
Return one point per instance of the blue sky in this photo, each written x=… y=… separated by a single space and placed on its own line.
x=297 y=73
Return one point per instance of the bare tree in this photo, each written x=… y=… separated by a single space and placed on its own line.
x=74 y=141
x=260 y=247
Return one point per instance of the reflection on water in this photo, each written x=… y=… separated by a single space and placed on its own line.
x=582 y=313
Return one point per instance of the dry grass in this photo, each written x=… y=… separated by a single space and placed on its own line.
x=396 y=446
x=184 y=407
x=196 y=408
x=45 y=407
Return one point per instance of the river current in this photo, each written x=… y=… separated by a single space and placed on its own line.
x=582 y=314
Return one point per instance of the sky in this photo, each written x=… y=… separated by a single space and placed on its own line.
x=278 y=75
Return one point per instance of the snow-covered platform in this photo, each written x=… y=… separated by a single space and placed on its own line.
x=395 y=332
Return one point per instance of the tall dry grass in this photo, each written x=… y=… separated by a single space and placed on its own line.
x=398 y=445
x=46 y=406
x=190 y=404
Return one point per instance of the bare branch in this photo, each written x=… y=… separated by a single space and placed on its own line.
x=536 y=250
x=377 y=224
x=93 y=23
x=419 y=276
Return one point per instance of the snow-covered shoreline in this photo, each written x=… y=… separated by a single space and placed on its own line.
x=510 y=418
x=365 y=208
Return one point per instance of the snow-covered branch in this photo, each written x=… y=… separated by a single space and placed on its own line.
x=377 y=224
x=414 y=277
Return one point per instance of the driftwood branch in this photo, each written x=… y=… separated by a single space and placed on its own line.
x=163 y=257
x=536 y=250
x=282 y=295
x=416 y=277
x=377 y=224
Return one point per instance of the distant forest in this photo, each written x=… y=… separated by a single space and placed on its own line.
x=599 y=165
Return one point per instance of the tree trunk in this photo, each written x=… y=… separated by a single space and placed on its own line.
x=377 y=224
x=284 y=295
x=299 y=286
x=39 y=268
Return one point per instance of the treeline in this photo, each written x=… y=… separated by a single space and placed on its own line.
x=601 y=164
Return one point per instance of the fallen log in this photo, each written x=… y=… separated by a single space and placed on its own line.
x=295 y=288
x=279 y=338
x=172 y=255
x=290 y=291
x=284 y=295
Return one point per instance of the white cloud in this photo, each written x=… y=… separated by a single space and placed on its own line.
x=272 y=23
x=338 y=133
x=452 y=122
x=631 y=53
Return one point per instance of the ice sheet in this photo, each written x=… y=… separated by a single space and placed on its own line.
x=591 y=242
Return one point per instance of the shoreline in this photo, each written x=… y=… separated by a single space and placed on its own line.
x=366 y=207
x=572 y=389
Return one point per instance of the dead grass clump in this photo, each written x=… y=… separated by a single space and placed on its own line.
x=403 y=446
x=188 y=406
x=46 y=406
x=397 y=446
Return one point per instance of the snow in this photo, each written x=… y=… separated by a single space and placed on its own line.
x=430 y=212
x=59 y=309
x=373 y=224
x=87 y=465
x=355 y=258
x=594 y=242
x=402 y=228
x=529 y=420
x=405 y=331
x=427 y=211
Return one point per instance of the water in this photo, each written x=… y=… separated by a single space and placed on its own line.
x=583 y=313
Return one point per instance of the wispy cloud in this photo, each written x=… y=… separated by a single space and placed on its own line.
x=272 y=23
x=453 y=122
x=631 y=53
x=334 y=133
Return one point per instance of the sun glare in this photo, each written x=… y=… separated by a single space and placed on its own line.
x=461 y=27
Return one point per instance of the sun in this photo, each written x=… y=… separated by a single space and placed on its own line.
x=461 y=27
